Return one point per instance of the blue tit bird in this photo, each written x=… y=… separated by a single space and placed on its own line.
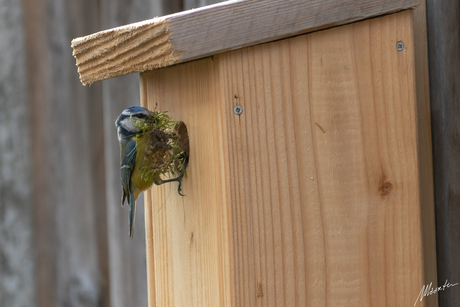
x=132 y=147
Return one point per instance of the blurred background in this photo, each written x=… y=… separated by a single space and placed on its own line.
x=63 y=234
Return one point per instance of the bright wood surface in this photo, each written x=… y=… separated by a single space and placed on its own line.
x=188 y=239
x=310 y=197
x=425 y=156
x=185 y=36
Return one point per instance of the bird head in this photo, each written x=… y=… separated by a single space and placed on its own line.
x=125 y=128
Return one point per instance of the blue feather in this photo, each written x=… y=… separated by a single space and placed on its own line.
x=132 y=211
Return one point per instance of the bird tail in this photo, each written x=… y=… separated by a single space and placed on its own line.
x=132 y=211
x=123 y=198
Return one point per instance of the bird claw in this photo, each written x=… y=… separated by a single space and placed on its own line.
x=178 y=179
x=180 y=192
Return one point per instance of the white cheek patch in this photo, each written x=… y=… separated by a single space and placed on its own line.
x=126 y=123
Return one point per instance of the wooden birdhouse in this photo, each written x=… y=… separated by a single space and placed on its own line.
x=310 y=174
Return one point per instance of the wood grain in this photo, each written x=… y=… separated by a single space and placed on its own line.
x=443 y=50
x=188 y=237
x=181 y=37
x=425 y=156
x=310 y=197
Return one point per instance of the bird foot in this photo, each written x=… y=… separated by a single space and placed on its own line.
x=179 y=180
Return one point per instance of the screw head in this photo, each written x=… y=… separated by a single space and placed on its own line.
x=238 y=110
x=400 y=46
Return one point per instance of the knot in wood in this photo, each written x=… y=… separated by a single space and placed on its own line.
x=385 y=188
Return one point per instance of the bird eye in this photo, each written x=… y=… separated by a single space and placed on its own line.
x=140 y=115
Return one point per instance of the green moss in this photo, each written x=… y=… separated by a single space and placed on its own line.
x=162 y=151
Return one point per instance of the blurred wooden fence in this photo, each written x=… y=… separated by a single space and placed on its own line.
x=443 y=26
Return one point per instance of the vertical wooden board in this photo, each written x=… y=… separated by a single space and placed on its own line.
x=18 y=245
x=188 y=258
x=67 y=157
x=310 y=197
x=365 y=98
x=267 y=205
x=323 y=167
x=425 y=149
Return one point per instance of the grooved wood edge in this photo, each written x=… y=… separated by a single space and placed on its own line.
x=137 y=47
x=230 y=25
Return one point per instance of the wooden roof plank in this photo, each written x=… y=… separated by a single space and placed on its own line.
x=193 y=34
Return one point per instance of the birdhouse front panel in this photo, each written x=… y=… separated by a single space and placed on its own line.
x=303 y=186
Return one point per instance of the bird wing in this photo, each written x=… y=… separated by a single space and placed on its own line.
x=127 y=166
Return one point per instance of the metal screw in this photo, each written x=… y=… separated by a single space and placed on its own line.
x=400 y=46
x=238 y=110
